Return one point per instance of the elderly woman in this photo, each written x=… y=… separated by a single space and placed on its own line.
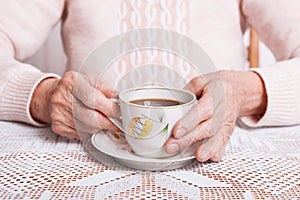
x=268 y=96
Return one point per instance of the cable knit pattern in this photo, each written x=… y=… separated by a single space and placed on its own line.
x=166 y=14
x=163 y=14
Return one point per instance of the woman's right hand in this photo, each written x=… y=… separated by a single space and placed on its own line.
x=75 y=103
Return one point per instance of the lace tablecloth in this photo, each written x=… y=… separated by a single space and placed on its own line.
x=37 y=164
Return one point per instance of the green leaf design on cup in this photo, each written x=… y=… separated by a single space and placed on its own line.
x=165 y=130
x=160 y=117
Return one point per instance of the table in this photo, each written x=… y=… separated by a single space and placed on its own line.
x=37 y=164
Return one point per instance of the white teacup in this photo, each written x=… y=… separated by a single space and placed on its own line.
x=148 y=117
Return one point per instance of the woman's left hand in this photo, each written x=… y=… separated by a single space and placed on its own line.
x=223 y=97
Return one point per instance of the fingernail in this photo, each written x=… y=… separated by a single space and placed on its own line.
x=172 y=148
x=181 y=132
x=204 y=155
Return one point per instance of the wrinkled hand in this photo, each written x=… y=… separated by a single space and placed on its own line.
x=76 y=103
x=223 y=97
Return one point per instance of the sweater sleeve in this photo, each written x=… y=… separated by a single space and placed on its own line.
x=277 y=24
x=24 y=26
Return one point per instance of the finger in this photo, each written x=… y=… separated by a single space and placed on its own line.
x=80 y=127
x=96 y=82
x=65 y=131
x=199 y=113
x=84 y=131
x=214 y=145
x=81 y=118
x=62 y=114
x=218 y=156
x=94 y=99
x=201 y=132
x=206 y=152
x=92 y=118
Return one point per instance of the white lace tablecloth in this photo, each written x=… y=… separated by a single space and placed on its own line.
x=37 y=164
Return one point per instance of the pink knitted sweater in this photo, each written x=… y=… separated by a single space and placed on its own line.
x=216 y=25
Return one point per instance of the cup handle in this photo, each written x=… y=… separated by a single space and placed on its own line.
x=117 y=122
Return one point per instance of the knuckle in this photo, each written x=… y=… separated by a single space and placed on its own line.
x=226 y=136
x=55 y=98
x=68 y=79
x=186 y=141
x=189 y=140
x=204 y=132
x=70 y=76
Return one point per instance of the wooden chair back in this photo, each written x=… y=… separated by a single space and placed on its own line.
x=253 y=49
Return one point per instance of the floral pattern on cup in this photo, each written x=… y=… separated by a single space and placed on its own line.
x=143 y=127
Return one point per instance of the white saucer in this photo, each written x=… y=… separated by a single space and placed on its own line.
x=104 y=144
